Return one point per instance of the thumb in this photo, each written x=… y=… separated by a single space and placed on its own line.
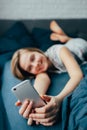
x=46 y=98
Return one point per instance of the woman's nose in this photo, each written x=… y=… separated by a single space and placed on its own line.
x=35 y=64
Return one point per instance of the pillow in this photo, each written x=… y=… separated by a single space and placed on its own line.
x=14 y=38
x=16 y=30
x=7 y=45
x=82 y=35
x=42 y=38
x=3 y=59
x=19 y=33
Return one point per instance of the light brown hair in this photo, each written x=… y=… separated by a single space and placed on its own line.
x=15 y=63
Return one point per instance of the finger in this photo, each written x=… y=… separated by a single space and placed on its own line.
x=47 y=108
x=46 y=120
x=43 y=115
x=23 y=107
x=48 y=124
x=18 y=103
x=30 y=121
x=28 y=110
x=46 y=98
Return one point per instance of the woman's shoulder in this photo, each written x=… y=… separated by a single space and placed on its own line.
x=53 y=48
x=53 y=53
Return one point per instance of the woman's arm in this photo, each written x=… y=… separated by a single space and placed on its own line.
x=42 y=83
x=73 y=70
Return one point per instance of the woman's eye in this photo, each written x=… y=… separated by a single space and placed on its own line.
x=32 y=58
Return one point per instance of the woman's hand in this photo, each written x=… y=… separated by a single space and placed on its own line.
x=48 y=114
x=25 y=110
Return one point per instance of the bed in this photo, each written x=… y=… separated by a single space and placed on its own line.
x=15 y=34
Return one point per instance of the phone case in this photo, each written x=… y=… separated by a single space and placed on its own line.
x=25 y=90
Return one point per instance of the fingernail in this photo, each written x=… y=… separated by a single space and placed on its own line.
x=31 y=102
x=26 y=101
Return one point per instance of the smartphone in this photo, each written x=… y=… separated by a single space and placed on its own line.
x=25 y=90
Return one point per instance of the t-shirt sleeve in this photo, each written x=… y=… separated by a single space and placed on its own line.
x=54 y=55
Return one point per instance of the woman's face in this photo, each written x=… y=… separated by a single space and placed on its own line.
x=33 y=62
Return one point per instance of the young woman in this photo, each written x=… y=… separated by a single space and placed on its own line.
x=28 y=62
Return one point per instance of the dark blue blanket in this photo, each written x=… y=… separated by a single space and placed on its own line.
x=74 y=107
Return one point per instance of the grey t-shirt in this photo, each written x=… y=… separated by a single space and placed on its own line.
x=77 y=46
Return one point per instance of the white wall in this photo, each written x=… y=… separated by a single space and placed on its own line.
x=40 y=9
